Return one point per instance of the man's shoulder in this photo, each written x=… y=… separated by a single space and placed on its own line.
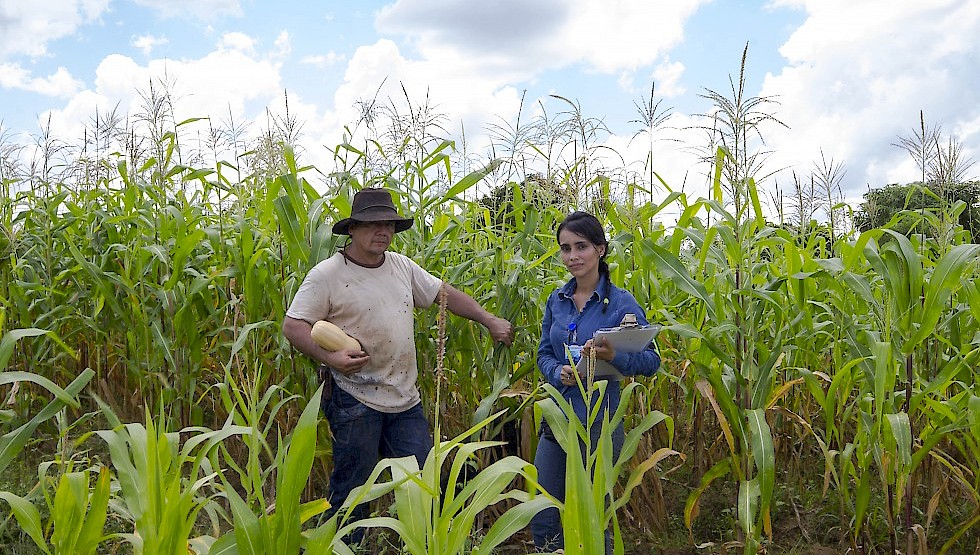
x=327 y=266
x=400 y=260
x=336 y=259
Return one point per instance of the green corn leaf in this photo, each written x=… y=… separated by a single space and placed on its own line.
x=68 y=513
x=748 y=504
x=10 y=339
x=14 y=441
x=511 y=522
x=412 y=503
x=60 y=394
x=313 y=508
x=885 y=374
x=484 y=490
x=671 y=265
x=906 y=274
x=764 y=454
x=91 y=534
x=638 y=430
x=294 y=474
x=901 y=431
x=27 y=517
x=639 y=471
x=320 y=540
x=471 y=179
x=973 y=415
x=247 y=536
x=580 y=514
x=292 y=228
x=943 y=281
x=721 y=468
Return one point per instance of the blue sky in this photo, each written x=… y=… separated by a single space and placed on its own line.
x=850 y=76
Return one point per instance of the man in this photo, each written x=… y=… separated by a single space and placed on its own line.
x=372 y=402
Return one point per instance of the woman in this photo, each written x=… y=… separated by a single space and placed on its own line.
x=588 y=302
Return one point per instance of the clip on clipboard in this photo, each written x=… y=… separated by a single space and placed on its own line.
x=626 y=338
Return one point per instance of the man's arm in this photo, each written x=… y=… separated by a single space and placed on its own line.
x=298 y=333
x=461 y=304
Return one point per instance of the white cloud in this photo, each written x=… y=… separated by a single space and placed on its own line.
x=521 y=38
x=859 y=74
x=668 y=75
x=237 y=41
x=856 y=75
x=470 y=59
x=146 y=43
x=26 y=28
x=283 y=45
x=222 y=82
x=466 y=93
x=193 y=9
x=675 y=161
x=324 y=60
x=59 y=84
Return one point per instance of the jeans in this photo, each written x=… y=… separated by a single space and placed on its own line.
x=361 y=437
x=549 y=459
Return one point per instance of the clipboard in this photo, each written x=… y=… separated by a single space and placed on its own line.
x=630 y=339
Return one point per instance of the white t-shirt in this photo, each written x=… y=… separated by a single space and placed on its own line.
x=376 y=307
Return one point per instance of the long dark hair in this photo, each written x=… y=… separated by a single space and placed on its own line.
x=588 y=226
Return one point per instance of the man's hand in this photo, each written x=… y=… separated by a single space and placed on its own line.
x=347 y=361
x=461 y=304
x=501 y=330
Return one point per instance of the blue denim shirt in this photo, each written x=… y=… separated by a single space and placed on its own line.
x=601 y=311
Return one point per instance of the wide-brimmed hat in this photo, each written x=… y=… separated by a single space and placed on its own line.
x=372 y=205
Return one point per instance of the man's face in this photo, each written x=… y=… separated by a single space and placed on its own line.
x=371 y=238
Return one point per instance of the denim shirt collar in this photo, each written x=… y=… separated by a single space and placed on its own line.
x=568 y=289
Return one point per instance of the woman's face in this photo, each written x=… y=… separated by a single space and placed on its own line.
x=580 y=255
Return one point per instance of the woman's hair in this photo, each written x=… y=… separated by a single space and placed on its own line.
x=588 y=226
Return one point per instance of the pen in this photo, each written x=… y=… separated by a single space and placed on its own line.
x=571 y=333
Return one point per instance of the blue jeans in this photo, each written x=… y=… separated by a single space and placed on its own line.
x=549 y=460
x=361 y=437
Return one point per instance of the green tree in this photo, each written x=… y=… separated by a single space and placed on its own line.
x=535 y=190
x=900 y=207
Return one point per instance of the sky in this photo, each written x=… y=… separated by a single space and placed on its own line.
x=847 y=78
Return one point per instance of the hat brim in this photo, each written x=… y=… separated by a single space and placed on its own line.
x=401 y=224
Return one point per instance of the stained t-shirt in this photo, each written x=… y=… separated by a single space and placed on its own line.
x=376 y=307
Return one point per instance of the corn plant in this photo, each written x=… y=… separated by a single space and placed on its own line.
x=740 y=334
x=909 y=314
x=250 y=408
x=155 y=494
x=277 y=529
x=13 y=441
x=76 y=530
x=737 y=349
x=431 y=520
x=78 y=515
x=590 y=506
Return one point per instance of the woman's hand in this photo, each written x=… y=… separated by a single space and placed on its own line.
x=567 y=375
x=603 y=350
